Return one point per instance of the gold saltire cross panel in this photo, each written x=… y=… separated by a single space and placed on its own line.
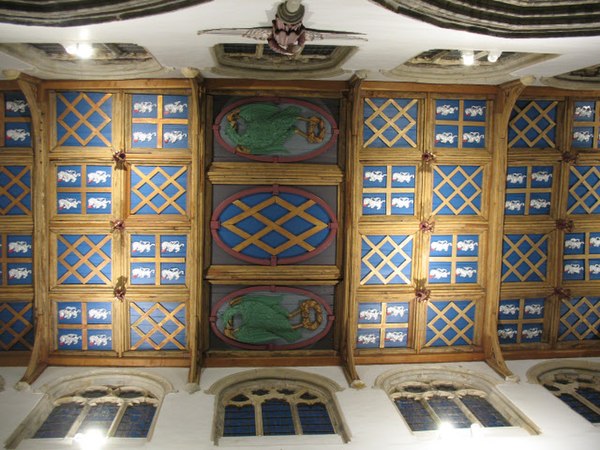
x=579 y=319
x=82 y=256
x=532 y=125
x=157 y=326
x=14 y=191
x=17 y=327
x=385 y=121
x=83 y=119
x=524 y=252
x=160 y=181
x=450 y=190
x=584 y=192
x=276 y=225
x=450 y=323
x=386 y=260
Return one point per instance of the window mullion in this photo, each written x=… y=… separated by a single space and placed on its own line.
x=430 y=410
x=77 y=423
x=258 y=418
x=117 y=419
x=295 y=417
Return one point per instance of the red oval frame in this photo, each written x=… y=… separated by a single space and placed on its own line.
x=278 y=158
x=300 y=344
x=215 y=225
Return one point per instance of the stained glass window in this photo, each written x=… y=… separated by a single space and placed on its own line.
x=577 y=388
x=426 y=405
x=276 y=409
x=113 y=411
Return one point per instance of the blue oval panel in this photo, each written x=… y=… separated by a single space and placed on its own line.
x=273 y=225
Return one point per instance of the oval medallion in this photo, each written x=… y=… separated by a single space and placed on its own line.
x=271 y=318
x=273 y=225
x=275 y=129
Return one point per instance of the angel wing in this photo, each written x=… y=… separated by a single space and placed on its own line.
x=263 y=33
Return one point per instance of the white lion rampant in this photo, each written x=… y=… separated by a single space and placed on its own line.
x=595 y=241
x=373 y=202
x=395 y=336
x=445 y=138
x=142 y=272
x=530 y=333
x=140 y=136
x=170 y=137
x=467 y=245
x=99 y=176
x=473 y=137
x=68 y=203
x=142 y=246
x=509 y=309
x=176 y=107
x=439 y=273
x=171 y=246
x=99 y=340
x=515 y=178
x=19 y=273
x=541 y=175
x=18 y=106
x=68 y=176
x=18 y=247
x=582 y=136
x=69 y=339
x=367 y=339
x=98 y=203
x=98 y=313
x=446 y=110
x=583 y=111
x=507 y=333
x=375 y=175
x=573 y=243
x=68 y=312
x=172 y=273
x=475 y=110
x=402 y=202
x=514 y=205
x=539 y=203
x=402 y=177
x=573 y=268
x=143 y=107
x=535 y=308
x=369 y=314
x=441 y=246
x=465 y=272
x=595 y=269
x=17 y=134
x=395 y=311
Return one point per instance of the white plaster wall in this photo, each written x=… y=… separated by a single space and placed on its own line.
x=185 y=419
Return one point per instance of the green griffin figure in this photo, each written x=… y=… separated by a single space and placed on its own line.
x=261 y=320
x=264 y=128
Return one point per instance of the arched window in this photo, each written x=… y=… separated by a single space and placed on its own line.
x=576 y=383
x=429 y=398
x=275 y=403
x=104 y=405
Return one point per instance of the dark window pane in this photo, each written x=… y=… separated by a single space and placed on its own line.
x=277 y=418
x=448 y=411
x=131 y=394
x=239 y=421
x=59 y=421
x=415 y=414
x=95 y=393
x=590 y=394
x=315 y=419
x=579 y=407
x=99 y=417
x=136 y=421
x=484 y=411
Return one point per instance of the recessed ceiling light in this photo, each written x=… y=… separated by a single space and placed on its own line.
x=82 y=50
x=493 y=55
x=468 y=57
